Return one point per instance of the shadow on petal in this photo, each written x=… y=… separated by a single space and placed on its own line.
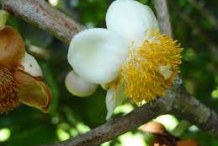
x=12 y=47
x=32 y=92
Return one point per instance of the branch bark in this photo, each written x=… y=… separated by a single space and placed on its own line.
x=163 y=16
x=118 y=126
x=42 y=15
x=177 y=101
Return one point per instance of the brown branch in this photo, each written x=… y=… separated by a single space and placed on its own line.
x=41 y=14
x=177 y=101
x=163 y=16
x=118 y=126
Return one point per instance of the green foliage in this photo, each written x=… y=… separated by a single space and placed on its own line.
x=195 y=26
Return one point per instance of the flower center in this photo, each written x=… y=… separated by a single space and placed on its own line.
x=151 y=69
x=8 y=90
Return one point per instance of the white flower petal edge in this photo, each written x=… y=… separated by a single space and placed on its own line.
x=96 y=55
x=130 y=19
x=78 y=86
x=110 y=103
x=113 y=99
x=31 y=66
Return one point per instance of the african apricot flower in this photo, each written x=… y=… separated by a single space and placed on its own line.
x=20 y=74
x=131 y=59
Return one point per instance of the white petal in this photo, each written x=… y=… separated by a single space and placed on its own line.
x=96 y=55
x=165 y=70
x=113 y=99
x=78 y=86
x=130 y=19
x=31 y=66
x=110 y=103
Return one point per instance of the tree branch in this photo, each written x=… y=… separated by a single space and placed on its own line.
x=42 y=15
x=163 y=16
x=177 y=101
x=118 y=126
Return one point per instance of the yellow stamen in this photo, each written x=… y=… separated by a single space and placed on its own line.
x=151 y=69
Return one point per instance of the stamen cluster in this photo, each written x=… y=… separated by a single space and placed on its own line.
x=141 y=74
x=8 y=90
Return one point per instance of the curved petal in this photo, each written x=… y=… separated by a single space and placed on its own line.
x=130 y=19
x=32 y=92
x=114 y=98
x=96 y=55
x=31 y=66
x=79 y=87
x=12 y=47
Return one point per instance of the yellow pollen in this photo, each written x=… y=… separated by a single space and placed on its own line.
x=150 y=69
x=8 y=90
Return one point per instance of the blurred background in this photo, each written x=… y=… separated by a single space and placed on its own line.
x=195 y=26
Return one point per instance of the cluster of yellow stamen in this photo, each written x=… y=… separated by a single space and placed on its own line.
x=8 y=90
x=150 y=69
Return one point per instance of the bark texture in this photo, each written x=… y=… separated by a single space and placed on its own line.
x=41 y=14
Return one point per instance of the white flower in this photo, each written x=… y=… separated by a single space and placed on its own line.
x=116 y=57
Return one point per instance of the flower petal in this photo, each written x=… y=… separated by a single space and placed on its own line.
x=79 y=87
x=12 y=47
x=114 y=98
x=130 y=19
x=32 y=92
x=31 y=66
x=96 y=55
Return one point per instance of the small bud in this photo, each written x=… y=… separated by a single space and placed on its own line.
x=78 y=86
x=154 y=127
x=160 y=136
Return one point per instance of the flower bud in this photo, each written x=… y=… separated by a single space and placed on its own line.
x=79 y=87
